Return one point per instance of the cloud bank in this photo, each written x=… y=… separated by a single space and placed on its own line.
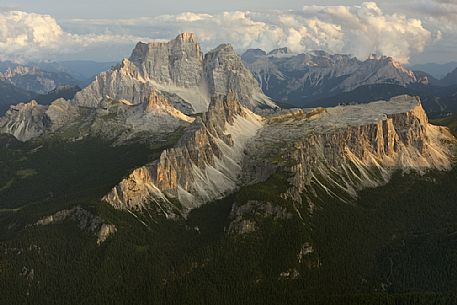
x=26 y=36
x=358 y=30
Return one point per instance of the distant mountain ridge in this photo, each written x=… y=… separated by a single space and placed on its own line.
x=297 y=77
x=32 y=78
x=438 y=71
x=322 y=79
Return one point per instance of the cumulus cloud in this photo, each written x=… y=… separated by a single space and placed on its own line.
x=33 y=36
x=358 y=30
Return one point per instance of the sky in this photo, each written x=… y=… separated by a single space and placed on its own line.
x=411 y=31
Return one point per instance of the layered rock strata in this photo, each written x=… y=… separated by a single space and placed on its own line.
x=203 y=166
x=178 y=70
x=344 y=149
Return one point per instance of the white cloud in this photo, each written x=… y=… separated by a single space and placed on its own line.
x=359 y=30
x=33 y=36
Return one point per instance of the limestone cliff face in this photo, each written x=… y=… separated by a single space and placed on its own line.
x=117 y=84
x=342 y=150
x=178 y=70
x=25 y=121
x=177 y=62
x=203 y=166
x=337 y=150
x=225 y=72
x=117 y=121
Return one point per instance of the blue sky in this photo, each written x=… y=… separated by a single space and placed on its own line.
x=415 y=31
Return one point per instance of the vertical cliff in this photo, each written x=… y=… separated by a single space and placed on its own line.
x=344 y=149
x=338 y=151
x=203 y=166
x=178 y=70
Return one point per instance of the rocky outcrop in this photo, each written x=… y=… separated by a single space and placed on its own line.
x=85 y=220
x=178 y=70
x=225 y=72
x=245 y=218
x=151 y=93
x=117 y=121
x=344 y=149
x=25 y=121
x=337 y=151
x=203 y=166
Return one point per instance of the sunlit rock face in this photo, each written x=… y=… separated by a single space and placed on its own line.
x=203 y=166
x=345 y=149
x=150 y=93
x=338 y=150
x=178 y=70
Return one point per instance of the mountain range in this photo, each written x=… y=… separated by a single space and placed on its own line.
x=322 y=79
x=175 y=178
x=44 y=81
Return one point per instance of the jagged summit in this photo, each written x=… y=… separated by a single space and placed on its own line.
x=177 y=62
x=187 y=37
x=164 y=80
x=230 y=146
x=204 y=165
x=178 y=70
x=225 y=72
x=300 y=79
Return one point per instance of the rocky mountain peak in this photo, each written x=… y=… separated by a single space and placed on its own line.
x=204 y=165
x=299 y=79
x=177 y=62
x=280 y=51
x=250 y=55
x=187 y=37
x=225 y=71
x=178 y=70
x=230 y=146
x=25 y=121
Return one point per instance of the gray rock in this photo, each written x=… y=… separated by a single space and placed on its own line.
x=203 y=166
x=85 y=220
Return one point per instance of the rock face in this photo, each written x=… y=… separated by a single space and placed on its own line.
x=86 y=222
x=177 y=62
x=31 y=78
x=152 y=92
x=117 y=121
x=203 y=166
x=25 y=121
x=225 y=72
x=344 y=149
x=178 y=70
x=337 y=150
x=301 y=78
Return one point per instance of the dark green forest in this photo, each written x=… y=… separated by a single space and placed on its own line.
x=396 y=244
